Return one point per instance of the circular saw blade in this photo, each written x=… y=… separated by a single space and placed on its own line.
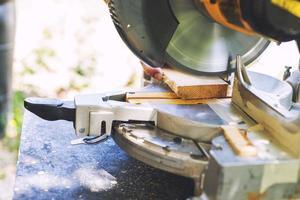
x=202 y=45
x=178 y=34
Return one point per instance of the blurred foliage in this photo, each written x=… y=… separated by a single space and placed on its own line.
x=18 y=101
x=42 y=54
x=79 y=70
x=11 y=140
x=2 y=175
x=27 y=69
x=2 y=124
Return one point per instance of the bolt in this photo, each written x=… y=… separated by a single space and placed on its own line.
x=177 y=140
x=166 y=148
x=197 y=156
x=82 y=130
x=241 y=122
x=218 y=147
x=126 y=130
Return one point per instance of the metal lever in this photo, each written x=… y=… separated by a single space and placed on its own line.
x=51 y=109
x=294 y=81
x=91 y=114
x=287 y=72
x=241 y=72
x=90 y=140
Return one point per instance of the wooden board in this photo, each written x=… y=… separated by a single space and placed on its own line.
x=163 y=98
x=188 y=86
x=172 y=101
x=151 y=95
x=239 y=142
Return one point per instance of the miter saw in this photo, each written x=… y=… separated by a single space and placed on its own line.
x=244 y=147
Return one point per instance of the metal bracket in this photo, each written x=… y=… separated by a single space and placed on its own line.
x=94 y=116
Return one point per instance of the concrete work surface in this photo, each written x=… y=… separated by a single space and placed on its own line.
x=49 y=167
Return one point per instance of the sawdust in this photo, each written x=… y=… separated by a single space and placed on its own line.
x=95 y=180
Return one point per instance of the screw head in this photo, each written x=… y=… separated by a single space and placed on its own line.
x=82 y=130
x=218 y=147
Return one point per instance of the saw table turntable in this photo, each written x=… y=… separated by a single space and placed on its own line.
x=242 y=144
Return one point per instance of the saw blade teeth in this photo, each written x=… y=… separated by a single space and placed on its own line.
x=113 y=13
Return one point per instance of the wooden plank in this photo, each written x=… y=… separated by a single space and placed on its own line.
x=188 y=86
x=151 y=95
x=172 y=101
x=239 y=142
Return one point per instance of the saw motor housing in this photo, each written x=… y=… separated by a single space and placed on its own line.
x=275 y=19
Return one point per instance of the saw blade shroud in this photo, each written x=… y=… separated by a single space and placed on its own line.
x=179 y=34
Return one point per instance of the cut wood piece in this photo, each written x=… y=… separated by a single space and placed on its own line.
x=239 y=142
x=151 y=95
x=188 y=86
x=172 y=101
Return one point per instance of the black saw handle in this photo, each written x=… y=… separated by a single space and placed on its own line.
x=51 y=109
